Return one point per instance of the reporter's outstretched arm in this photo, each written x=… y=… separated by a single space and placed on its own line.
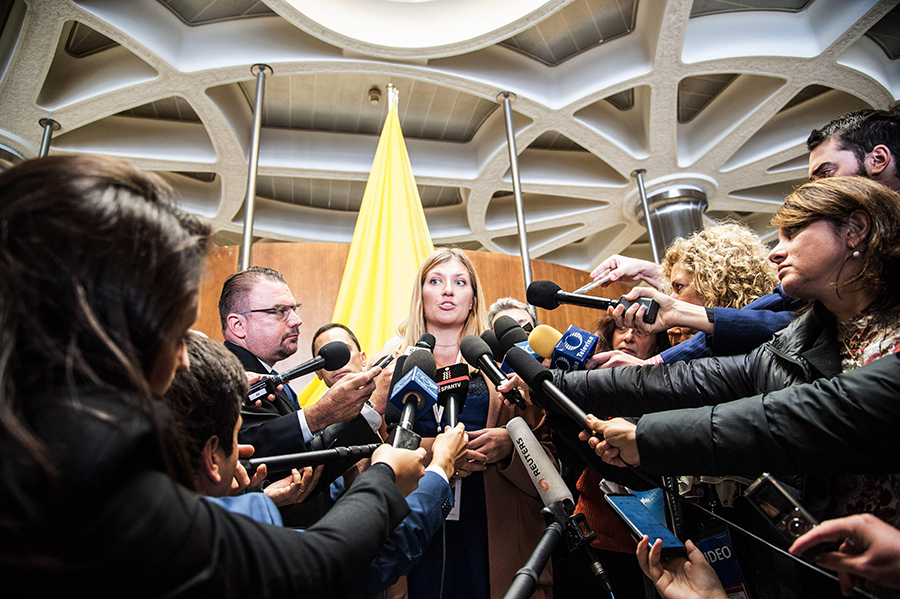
x=614 y=441
x=672 y=313
x=870 y=550
x=679 y=578
x=623 y=268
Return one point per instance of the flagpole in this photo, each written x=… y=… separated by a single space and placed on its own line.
x=506 y=98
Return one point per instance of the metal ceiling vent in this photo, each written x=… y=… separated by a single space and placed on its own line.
x=674 y=212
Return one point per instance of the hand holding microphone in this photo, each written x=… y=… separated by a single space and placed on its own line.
x=614 y=441
x=549 y=295
x=331 y=356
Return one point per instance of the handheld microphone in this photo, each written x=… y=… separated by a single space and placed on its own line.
x=414 y=391
x=541 y=471
x=511 y=334
x=490 y=337
x=548 y=295
x=331 y=357
x=538 y=378
x=554 y=493
x=453 y=386
x=309 y=458
x=426 y=342
x=567 y=351
x=476 y=352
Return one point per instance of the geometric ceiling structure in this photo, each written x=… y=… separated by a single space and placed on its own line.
x=709 y=94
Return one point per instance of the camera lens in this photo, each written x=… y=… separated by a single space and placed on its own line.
x=797 y=526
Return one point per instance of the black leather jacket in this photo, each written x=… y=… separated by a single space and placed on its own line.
x=804 y=351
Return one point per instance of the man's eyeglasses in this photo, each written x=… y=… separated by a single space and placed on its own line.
x=281 y=312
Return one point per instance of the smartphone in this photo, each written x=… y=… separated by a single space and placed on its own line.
x=383 y=362
x=641 y=521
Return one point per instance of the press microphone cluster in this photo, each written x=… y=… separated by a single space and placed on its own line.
x=549 y=295
x=310 y=458
x=414 y=391
x=331 y=356
x=567 y=351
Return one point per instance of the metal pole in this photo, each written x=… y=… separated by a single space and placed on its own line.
x=49 y=126
x=506 y=98
x=639 y=175
x=260 y=70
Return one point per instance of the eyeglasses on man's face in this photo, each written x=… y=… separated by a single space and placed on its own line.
x=281 y=312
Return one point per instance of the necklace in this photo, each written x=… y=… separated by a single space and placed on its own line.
x=450 y=345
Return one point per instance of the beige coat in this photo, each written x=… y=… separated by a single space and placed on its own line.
x=513 y=507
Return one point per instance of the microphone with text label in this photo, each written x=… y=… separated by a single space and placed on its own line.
x=548 y=295
x=567 y=351
x=558 y=512
x=453 y=386
x=414 y=391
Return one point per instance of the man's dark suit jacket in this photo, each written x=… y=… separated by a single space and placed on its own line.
x=274 y=429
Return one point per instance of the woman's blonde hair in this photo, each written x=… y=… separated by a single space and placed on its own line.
x=414 y=326
x=729 y=264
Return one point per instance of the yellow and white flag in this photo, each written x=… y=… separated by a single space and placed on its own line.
x=390 y=241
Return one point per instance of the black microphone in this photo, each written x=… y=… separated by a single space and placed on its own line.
x=539 y=378
x=477 y=353
x=426 y=342
x=548 y=295
x=331 y=357
x=555 y=494
x=453 y=386
x=414 y=391
x=490 y=337
x=309 y=458
x=511 y=334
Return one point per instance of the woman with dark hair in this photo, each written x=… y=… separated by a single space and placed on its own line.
x=100 y=274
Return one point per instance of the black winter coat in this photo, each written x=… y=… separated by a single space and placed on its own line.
x=804 y=351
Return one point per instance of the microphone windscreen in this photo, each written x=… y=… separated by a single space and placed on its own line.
x=543 y=474
x=398 y=371
x=422 y=360
x=543 y=340
x=472 y=348
x=335 y=354
x=543 y=294
x=530 y=370
x=509 y=332
x=426 y=341
x=490 y=337
x=504 y=324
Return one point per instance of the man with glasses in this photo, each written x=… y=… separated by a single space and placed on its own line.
x=261 y=325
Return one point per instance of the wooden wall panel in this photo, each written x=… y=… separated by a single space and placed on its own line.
x=314 y=270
